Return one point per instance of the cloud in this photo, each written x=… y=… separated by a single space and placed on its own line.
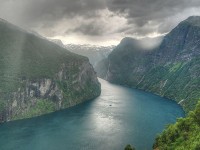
x=47 y=11
x=98 y=19
x=91 y=28
x=154 y=15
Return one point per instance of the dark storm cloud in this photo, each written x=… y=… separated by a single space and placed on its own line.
x=141 y=12
x=88 y=17
x=56 y=9
x=150 y=9
x=91 y=28
x=34 y=11
x=53 y=10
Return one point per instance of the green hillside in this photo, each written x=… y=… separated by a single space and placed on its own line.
x=171 y=69
x=184 y=135
x=32 y=69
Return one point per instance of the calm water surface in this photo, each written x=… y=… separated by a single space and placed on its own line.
x=118 y=117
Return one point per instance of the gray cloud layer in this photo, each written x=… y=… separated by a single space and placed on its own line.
x=98 y=18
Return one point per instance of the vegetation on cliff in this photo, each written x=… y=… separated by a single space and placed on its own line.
x=129 y=147
x=183 y=135
x=170 y=69
x=35 y=73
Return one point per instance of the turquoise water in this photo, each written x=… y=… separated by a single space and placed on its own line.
x=118 y=117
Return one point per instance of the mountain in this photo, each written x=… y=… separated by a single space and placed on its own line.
x=170 y=69
x=94 y=53
x=182 y=135
x=58 y=42
x=38 y=76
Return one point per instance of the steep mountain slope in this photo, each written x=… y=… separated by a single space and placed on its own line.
x=172 y=69
x=38 y=77
x=102 y=68
x=182 y=135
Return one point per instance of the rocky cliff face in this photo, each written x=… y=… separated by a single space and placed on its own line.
x=171 y=69
x=39 y=77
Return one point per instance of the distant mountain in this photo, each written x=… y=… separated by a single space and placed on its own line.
x=94 y=53
x=39 y=77
x=170 y=69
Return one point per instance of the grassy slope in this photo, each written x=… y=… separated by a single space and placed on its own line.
x=178 y=81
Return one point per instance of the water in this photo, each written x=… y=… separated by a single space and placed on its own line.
x=120 y=116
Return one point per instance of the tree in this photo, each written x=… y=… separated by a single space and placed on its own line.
x=129 y=147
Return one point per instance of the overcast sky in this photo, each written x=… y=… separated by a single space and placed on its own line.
x=100 y=22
